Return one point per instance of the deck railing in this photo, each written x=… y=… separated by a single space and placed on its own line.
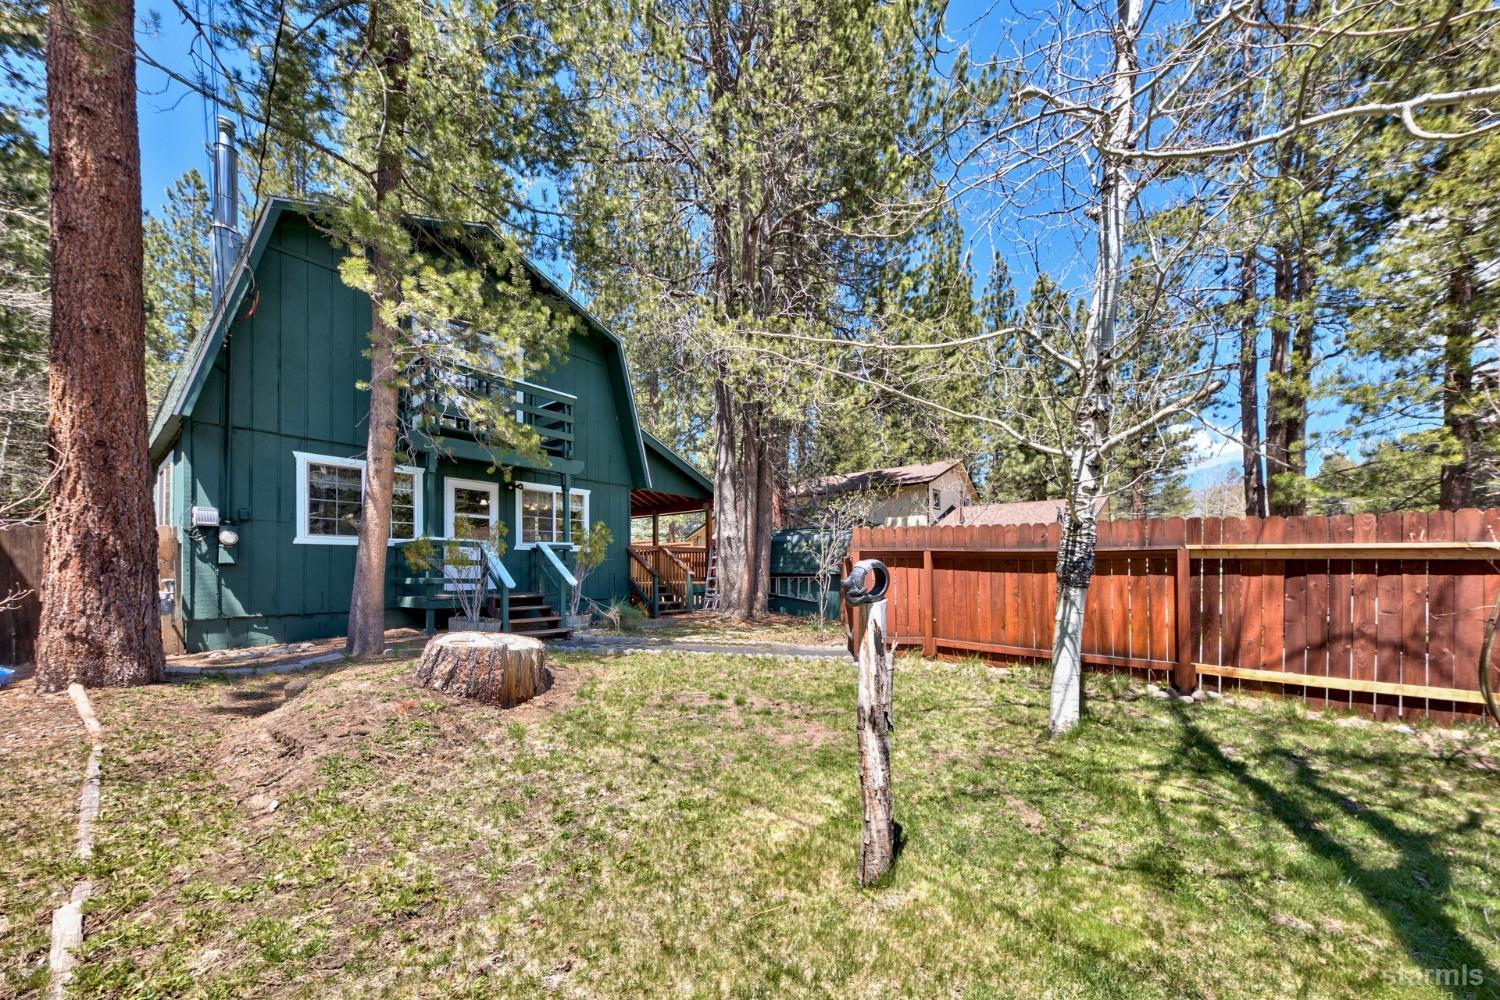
x=644 y=581
x=550 y=568
x=548 y=412
x=431 y=588
x=696 y=557
x=665 y=577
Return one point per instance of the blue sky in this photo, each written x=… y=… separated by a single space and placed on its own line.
x=176 y=126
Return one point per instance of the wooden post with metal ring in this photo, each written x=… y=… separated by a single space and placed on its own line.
x=865 y=591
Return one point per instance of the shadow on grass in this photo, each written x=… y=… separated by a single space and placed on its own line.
x=1418 y=919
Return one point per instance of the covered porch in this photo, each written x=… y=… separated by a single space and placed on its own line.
x=671 y=536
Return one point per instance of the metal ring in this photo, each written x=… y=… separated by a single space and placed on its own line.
x=866 y=583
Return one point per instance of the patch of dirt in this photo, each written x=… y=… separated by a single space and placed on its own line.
x=31 y=722
x=404 y=640
x=275 y=754
x=1026 y=813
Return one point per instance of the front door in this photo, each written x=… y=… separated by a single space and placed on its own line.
x=470 y=508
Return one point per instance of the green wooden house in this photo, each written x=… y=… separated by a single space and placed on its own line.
x=259 y=441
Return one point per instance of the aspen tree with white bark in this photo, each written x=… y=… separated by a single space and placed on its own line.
x=1147 y=128
x=1115 y=157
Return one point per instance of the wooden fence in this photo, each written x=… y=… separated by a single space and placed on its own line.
x=1379 y=614
x=21 y=573
x=21 y=549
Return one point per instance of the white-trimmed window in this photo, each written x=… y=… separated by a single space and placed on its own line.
x=161 y=492
x=539 y=513
x=330 y=495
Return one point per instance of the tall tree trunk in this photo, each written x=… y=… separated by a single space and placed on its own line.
x=100 y=625
x=743 y=489
x=1289 y=379
x=768 y=490
x=1250 y=445
x=742 y=502
x=367 y=603
x=1456 y=483
x=1075 y=556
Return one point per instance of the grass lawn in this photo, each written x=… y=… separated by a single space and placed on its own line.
x=719 y=628
x=670 y=824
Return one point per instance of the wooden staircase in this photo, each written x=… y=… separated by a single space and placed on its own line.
x=661 y=582
x=530 y=614
x=669 y=601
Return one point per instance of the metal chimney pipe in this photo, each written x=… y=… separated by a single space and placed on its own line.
x=226 y=207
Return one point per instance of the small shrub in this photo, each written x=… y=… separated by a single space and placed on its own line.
x=619 y=615
x=632 y=618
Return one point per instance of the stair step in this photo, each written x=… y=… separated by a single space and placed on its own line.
x=424 y=601
x=518 y=620
x=546 y=633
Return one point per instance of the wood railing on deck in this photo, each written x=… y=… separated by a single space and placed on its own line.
x=644 y=581
x=696 y=557
x=676 y=575
x=666 y=574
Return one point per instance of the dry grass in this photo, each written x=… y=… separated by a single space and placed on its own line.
x=717 y=627
x=686 y=825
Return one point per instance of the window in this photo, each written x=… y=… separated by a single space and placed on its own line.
x=540 y=515
x=330 y=492
x=162 y=492
x=578 y=512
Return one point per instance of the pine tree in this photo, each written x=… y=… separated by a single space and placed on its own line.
x=1420 y=349
x=24 y=303
x=412 y=110
x=1028 y=388
x=754 y=167
x=178 y=270
x=99 y=624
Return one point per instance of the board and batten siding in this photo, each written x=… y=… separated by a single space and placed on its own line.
x=286 y=381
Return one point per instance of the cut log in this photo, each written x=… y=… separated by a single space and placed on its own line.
x=496 y=668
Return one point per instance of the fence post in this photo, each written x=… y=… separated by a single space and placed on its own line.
x=929 y=610
x=1185 y=676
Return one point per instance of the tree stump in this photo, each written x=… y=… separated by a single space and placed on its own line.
x=496 y=668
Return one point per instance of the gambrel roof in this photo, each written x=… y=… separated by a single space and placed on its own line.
x=204 y=349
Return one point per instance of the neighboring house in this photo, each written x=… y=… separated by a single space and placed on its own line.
x=264 y=428
x=1021 y=512
x=903 y=496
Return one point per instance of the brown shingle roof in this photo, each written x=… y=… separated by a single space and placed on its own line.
x=1022 y=512
x=874 y=479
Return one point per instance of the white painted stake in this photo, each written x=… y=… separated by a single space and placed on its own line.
x=67 y=920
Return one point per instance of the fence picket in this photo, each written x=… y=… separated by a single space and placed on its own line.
x=1469 y=603
x=1314 y=610
x=1363 y=659
x=1388 y=629
x=1442 y=609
